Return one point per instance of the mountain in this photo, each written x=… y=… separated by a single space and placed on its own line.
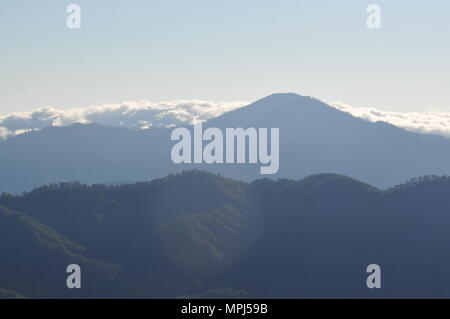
x=86 y=153
x=34 y=258
x=198 y=234
x=314 y=138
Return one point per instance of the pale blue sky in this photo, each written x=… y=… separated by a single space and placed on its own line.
x=224 y=50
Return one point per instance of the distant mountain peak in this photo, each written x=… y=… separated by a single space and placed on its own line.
x=287 y=97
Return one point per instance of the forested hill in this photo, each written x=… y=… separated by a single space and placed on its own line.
x=199 y=234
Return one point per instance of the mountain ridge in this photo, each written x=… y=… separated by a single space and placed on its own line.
x=29 y=247
x=314 y=138
x=307 y=238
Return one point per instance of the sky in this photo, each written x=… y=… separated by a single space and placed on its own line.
x=234 y=50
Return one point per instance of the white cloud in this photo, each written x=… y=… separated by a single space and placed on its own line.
x=430 y=122
x=4 y=133
x=139 y=115
x=145 y=114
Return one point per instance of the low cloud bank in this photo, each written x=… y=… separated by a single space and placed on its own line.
x=138 y=115
x=431 y=122
x=145 y=114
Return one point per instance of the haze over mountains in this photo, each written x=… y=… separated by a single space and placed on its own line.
x=314 y=138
